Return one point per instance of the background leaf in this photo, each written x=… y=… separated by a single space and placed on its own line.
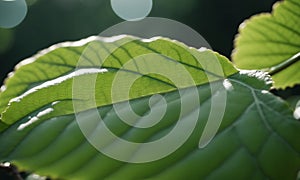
x=271 y=42
x=94 y=16
x=258 y=136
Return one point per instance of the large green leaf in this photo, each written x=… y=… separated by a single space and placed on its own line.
x=271 y=42
x=61 y=64
x=257 y=138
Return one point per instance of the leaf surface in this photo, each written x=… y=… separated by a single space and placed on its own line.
x=271 y=42
x=36 y=77
x=257 y=137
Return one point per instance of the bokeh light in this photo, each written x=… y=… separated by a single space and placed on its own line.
x=132 y=10
x=7 y=38
x=12 y=12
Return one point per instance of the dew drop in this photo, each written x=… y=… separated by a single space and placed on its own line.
x=297 y=110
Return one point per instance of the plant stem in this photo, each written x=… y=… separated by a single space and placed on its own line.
x=284 y=64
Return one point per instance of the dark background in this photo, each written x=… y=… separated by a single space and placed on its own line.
x=52 y=21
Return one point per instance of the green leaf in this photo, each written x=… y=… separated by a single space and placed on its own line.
x=257 y=137
x=38 y=69
x=40 y=75
x=271 y=42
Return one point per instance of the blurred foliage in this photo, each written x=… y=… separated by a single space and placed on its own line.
x=49 y=22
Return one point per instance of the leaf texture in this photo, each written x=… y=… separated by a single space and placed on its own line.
x=271 y=42
x=35 y=78
x=257 y=138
